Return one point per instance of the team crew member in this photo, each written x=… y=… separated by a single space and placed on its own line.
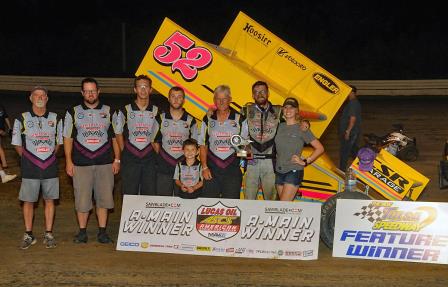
x=37 y=135
x=188 y=172
x=220 y=166
x=262 y=119
x=175 y=127
x=289 y=143
x=349 y=129
x=5 y=129
x=135 y=128
x=92 y=158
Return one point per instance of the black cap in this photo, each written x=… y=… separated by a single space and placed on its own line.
x=292 y=102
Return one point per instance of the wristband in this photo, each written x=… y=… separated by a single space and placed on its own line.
x=204 y=168
x=117 y=160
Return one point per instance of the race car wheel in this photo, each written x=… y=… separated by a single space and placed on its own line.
x=328 y=214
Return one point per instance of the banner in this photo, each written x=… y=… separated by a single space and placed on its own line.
x=220 y=227
x=391 y=230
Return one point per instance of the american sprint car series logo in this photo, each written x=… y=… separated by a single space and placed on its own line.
x=218 y=222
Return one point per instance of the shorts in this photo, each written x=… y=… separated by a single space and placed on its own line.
x=96 y=178
x=29 y=190
x=293 y=177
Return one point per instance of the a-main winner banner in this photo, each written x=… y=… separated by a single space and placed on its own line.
x=220 y=227
x=392 y=230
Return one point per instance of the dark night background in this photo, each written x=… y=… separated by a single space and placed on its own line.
x=352 y=39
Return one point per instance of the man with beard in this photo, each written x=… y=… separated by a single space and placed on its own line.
x=175 y=127
x=37 y=135
x=220 y=166
x=135 y=128
x=92 y=158
x=263 y=119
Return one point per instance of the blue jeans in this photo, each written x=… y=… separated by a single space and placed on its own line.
x=293 y=177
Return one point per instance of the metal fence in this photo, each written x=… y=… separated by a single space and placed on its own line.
x=125 y=85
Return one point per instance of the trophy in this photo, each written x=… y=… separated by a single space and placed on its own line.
x=237 y=141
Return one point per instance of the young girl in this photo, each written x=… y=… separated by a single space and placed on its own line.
x=289 y=143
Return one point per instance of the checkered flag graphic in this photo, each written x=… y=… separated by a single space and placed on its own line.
x=371 y=212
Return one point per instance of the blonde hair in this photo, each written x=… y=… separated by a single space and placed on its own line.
x=222 y=89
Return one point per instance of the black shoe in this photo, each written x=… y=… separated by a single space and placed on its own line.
x=104 y=238
x=81 y=237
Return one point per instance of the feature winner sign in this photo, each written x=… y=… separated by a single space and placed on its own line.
x=220 y=227
x=391 y=230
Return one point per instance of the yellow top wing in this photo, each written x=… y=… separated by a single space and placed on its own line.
x=247 y=54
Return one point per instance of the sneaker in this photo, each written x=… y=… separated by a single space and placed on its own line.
x=81 y=237
x=49 y=240
x=28 y=240
x=8 y=177
x=104 y=238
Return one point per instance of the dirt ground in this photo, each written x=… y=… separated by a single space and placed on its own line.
x=94 y=264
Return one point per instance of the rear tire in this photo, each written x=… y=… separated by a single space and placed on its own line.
x=328 y=214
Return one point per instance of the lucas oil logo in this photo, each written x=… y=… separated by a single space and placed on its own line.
x=325 y=83
x=218 y=222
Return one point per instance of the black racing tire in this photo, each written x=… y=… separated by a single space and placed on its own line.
x=328 y=214
x=409 y=153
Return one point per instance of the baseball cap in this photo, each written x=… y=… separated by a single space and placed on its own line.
x=292 y=102
x=38 y=87
x=366 y=158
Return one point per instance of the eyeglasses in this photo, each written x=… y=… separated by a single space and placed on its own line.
x=141 y=87
x=261 y=92
x=90 y=92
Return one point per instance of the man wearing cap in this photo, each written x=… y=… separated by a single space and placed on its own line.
x=176 y=126
x=135 y=127
x=262 y=119
x=92 y=158
x=349 y=129
x=37 y=135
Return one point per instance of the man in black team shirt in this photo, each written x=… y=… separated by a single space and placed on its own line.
x=37 y=135
x=135 y=127
x=220 y=166
x=176 y=126
x=92 y=158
